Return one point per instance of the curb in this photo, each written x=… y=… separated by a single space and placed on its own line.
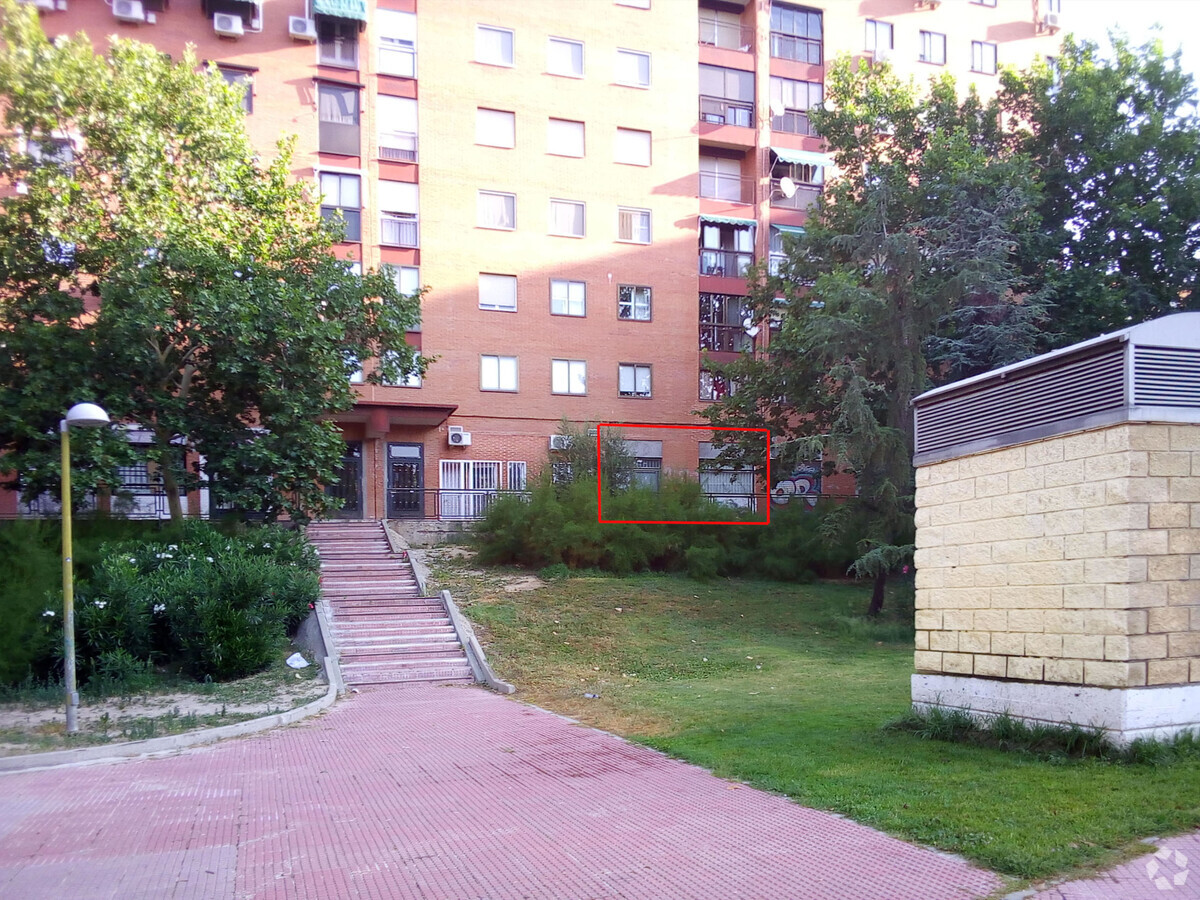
x=155 y=746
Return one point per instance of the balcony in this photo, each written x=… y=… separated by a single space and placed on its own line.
x=398 y=230
x=730 y=188
x=719 y=111
x=793 y=121
x=803 y=199
x=800 y=49
x=398 y=146
x=724 y=338
x=725 y=263
x=726 y=35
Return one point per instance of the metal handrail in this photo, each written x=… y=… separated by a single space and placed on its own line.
x=726 y=35
x=719 y=111
x=726 y=263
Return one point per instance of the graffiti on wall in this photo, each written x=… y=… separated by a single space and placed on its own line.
x=802 y=485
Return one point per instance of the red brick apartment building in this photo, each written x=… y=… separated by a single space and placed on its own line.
x=581 y=184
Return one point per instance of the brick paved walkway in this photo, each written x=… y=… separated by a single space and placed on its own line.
x=438 y=793
x=1173 y=873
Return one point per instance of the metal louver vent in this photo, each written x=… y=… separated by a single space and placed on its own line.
x=1069 y=388
x=1166 y=376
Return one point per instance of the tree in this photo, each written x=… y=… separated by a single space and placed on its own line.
x=1117 y=144
x=153 y=263
x=905 y=276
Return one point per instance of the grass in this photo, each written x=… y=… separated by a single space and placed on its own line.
x=788 y=688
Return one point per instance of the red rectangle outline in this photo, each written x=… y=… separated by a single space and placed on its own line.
x=599 y=480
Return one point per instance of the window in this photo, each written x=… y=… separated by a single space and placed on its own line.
x=1054 y=6
x=726 y=96
x=498 y=292
x=933 y=48
x=564 y=57
x=778 y=248
x=397 y=118
x=632 y=147
x=983 y=57
x=467 y=488
x=567 y=218
x=354 y=369
x=397 y=42
x=496 y=210
x=407 y=278
x=721 y=179
x=633 y=303
x=495 y=128
x=337 y=110
x=879 y=35
x=564 y=137
x=398 y=206
x=568 y=376
x=796 y=33
x=568 y=298
x=714 y=387
x=633 y=380
x=341 y=196
x=633 y=68
x=722 y=327
x=337 y=42
x=516 y=476
x=795 y=99
x=412 y=380
x=244 y=79
x=720 y=28
x=633 y=225
x=497 y=373
x=726 y=250
x=493 y=46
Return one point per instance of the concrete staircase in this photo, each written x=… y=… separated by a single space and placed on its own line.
x=385 y=631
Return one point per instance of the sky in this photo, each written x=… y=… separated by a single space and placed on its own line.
x=1180 y=21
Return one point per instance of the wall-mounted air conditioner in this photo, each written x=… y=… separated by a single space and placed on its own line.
x=228 y=25
x=302 y=29
x=560 y=442
x=129 y=11
x=1051 y=21
x=884 y=54
x=457 y=437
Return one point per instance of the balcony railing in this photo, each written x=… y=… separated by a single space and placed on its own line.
x=804 y=198
x=793 y=121
x=724 y=338
x=726 y=35
x=801 y=49
x=400 y=146
x=719 y=111
x=727 y=263
x=398 y=231
x=776 y=262
x=731 y=188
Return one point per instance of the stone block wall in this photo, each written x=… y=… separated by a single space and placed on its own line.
x=1070 y=560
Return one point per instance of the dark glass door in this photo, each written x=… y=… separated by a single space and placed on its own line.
x=406 y=481
x=348 y=487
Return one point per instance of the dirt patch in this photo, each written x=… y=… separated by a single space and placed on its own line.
x=453 y=565
x=525 y=583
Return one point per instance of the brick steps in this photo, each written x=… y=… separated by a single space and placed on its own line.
x=386 y=633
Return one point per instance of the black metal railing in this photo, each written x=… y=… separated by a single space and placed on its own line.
x=445 y=503
x=719 y=111
x=801 y=49
x=804 y=197
x=727 y=263
x=724 y=338
x=726 y=35
x=793 y=121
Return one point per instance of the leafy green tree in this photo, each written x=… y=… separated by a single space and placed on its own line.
x=1116 y=142
x=905 y=276
x=153 y=263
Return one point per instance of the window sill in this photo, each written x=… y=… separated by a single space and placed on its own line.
x=498 y=390
x=494 y=228
x=498 y=65
x=638 y=243
x=576 y=237
x=578 y=77
x=566 y=394
x=507 y=309
x=635 y=396
x=581 y=315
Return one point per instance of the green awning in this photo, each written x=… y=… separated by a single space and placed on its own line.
x=728 y=220
x=789 y=229
x=803 y=157
x=342 y=9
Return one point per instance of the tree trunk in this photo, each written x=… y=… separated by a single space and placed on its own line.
x=171 y=487
x=877 y=594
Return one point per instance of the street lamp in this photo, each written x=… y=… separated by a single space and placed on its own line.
x=83 y=415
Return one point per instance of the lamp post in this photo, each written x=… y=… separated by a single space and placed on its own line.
x=84 y=415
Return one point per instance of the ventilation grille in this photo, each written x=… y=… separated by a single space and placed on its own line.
x=1068 y=389
x=1164 y=376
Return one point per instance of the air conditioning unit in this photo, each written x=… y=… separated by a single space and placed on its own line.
x=457 y=437
x=560 y=442
x=884 y=54
x=1051 y=21
x=228 y=25
x=129 y=11
x=302 y=29
x=42 y=5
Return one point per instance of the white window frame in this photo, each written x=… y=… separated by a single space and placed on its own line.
x=480 y=47
x=480 y=134
x=511 y=210
x=635 y=4
x=634 y=370
x=619 y=75
x=552 y=57
x=396 y=55
x=518 y=475
x=582 y=207
x=362 y=205
x=628 y=139
x=467 y=487
x=412 y=380
x=633 y=304
x=929 y=40
x=874 y=28
x=499 y=364
x=493 y=279
x=554 y=133
x=564 y=374
x=977 y=57
x=563 y=299
x=339 y=60
x=399 y=136
x=642 y=214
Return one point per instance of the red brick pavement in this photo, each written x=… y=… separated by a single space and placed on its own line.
x=1171 y=873
x=439 y=793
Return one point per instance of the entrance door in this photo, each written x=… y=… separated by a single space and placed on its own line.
x=348 y=487
x=406 y=481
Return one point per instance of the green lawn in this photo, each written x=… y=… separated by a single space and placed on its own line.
x=784 y=687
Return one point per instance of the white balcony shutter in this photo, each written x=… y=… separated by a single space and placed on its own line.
x=398 y=197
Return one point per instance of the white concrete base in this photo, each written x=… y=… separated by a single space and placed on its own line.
x=1124 y=713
